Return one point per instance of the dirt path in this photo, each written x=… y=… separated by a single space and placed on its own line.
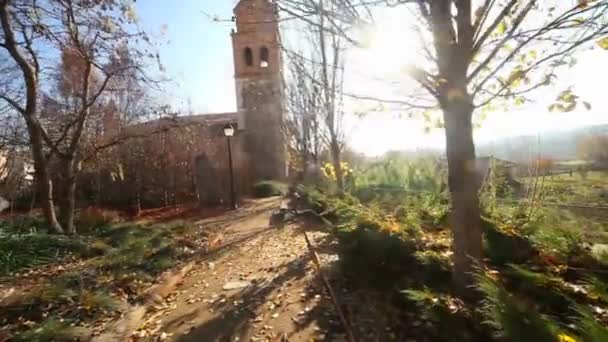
x=259 y=285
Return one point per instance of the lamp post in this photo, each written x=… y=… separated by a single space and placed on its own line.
x=229 y=132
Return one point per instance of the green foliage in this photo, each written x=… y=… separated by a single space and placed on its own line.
x=600 y=253
x=561 y=242
x=152 y=249
x=79 y=288
x=434 y=266
x=399 y=236
x=504 y=246
x=20 y=251
x=269 y=188
x=22 y=224
x=588 y=327
x=544 y=288
x=421 y=175
x=512 y=318
x=596 y=288
x=127 y=258
x=52 y=329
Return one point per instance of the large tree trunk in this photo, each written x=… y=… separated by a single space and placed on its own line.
x=465 y=213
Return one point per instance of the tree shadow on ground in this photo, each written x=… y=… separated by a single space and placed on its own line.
x=238 y=321
x=373 y=269
x=238 y=216
x=234 y=244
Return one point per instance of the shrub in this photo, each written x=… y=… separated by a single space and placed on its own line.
x=561 y=242
x=421 y=175
x=588 y=327
x=269 y=188
x=505 y=246
x=512 y=318
x=600 y=253
x=434 y=268
x=23 y=224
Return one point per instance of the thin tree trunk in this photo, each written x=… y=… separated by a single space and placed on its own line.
x=465 y=213
x=44 y=184
x=68 y=200
x=29 y=113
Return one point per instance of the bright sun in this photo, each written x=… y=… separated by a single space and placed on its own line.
x=392 y=45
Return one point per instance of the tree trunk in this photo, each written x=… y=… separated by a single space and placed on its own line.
x=44 y=184
x=465 y=213
x=68 y=198
x=29 y=113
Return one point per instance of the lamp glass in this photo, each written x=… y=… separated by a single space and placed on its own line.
x=228 y=130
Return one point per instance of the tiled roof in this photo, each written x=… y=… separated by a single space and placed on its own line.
x=181 y=121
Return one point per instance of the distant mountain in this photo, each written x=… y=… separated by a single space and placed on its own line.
x=559 y=145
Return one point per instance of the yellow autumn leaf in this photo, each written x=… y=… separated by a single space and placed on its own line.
x=501 y=28
x=565 y=338
x=603 y=43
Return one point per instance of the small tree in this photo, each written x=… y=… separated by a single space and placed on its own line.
x=23 y=53
x=301 y=124
x=319 y=83
x=91 y=38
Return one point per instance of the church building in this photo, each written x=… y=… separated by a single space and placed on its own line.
x=258 y=147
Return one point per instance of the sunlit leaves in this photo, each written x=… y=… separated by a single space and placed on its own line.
x=603 y=43
x=579 y=21
x=516 y=76
x=501 y=28
x=566 y=102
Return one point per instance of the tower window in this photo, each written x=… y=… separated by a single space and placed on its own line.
x=248 y=56
x=264 y=57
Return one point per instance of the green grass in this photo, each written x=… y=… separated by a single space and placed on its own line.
x=23 y=251
x=116 y=260
x=50 y=330
x=576 y=189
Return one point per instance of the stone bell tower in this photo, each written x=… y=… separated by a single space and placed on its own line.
x=259 y=87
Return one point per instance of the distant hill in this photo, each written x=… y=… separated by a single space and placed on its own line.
x=555 y=145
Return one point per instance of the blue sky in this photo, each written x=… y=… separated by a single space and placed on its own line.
x=197 y=52
x=197 y=55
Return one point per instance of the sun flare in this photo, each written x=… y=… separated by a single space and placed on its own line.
x=392 y=46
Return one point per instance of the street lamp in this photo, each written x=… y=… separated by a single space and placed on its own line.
x=229 y=132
